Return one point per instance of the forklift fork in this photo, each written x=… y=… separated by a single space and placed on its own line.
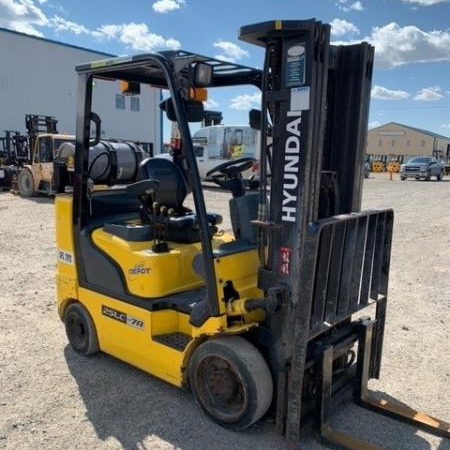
x=363 y=398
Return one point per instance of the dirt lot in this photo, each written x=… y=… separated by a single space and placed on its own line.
x=51 y=398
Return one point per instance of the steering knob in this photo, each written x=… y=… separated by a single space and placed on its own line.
x=155 y=208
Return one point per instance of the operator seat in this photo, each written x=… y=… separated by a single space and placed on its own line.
x=181 y=223
x=173 y=187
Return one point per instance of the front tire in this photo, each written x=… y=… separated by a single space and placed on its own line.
x=80 y=329
x=231 y=381
x=25 y=183
x=439 y=176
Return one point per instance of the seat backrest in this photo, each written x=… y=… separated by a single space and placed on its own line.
x=173 y=187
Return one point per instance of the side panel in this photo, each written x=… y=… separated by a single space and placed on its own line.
x=149 y=274
x=125 y=331
x=66 y=275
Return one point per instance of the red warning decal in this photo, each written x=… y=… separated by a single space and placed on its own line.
x=285 y=260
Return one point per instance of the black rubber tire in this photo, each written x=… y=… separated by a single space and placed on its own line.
x=439 y=176
x=80 y=329
x=231 y=381
x=403 y=178
x=25 y=182
x=428 y=177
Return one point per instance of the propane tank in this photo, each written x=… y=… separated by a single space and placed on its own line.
x=109 y=162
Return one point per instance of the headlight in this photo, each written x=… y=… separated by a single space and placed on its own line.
x=402 y=168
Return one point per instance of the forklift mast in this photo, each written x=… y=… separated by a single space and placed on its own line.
x=325 y=259
x=39 y=124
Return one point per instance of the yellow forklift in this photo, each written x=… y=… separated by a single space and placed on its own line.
x=41 y=143
x=260 y=320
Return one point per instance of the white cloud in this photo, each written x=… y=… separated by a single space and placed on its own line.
x=341 y=27
x=430 y=94
x=63 y=25
x=374 y=124
x=211 y=104
x=107 y=32
x=246 y=101
x=231 y=52
x=165 y=6
x=382 y=93
x=425 y=2
x=136 y=36
x=357 y=6
x=22 y=15
x=344 y=6
x=396 y=46
x=446 y=126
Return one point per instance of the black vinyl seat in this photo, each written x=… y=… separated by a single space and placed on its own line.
x=164 y=188
x=172 y=189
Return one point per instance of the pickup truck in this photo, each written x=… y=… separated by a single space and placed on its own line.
x=422 y=167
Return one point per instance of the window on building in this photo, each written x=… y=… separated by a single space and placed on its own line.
x=120 y=101
x=423 y=144
x=408 y=143
x=393 y=143
x=134 y=103
x=380 y=143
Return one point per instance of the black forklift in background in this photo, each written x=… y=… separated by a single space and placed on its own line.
x=267 y=320
x=13 y=154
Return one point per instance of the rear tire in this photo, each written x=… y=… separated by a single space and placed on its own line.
x=231 y=381
x=25 y=183
x=80 y=330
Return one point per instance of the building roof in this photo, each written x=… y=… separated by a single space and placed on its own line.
x=419 y=130
x=51 y=41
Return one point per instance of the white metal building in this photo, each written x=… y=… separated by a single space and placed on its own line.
x=37 y=76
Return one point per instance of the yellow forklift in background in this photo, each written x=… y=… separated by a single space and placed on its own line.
x=42 y=142
x=257 y=321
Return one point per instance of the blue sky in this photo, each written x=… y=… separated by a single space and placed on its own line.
x=411 y=83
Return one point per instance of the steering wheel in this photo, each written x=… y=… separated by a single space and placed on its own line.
x=228 y=175
x=230 y=168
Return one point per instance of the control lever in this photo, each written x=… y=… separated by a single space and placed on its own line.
x=163 y=215
x=158 y=245
x=155 y=227
x=170 y=213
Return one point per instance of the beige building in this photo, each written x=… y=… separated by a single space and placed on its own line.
x=396 y=141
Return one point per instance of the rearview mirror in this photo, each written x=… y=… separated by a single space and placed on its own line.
x=255 y=119
x=194 y=110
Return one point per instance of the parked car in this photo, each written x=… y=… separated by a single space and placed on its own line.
x=422 y=167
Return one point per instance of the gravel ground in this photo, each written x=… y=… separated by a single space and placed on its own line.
x=51 y=398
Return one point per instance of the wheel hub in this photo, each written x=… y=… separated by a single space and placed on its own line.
x=221 y=388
